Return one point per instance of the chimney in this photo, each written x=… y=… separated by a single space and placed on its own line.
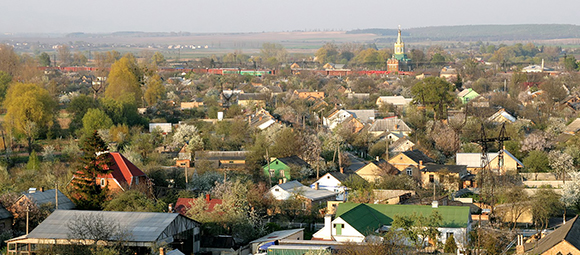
x=503 y=148
x=161 y=251
x=280 y=181
x=435 y=204
x=207 y=197
x=377 y=158
x=284 y=180
x=41 y=189
x=542 y=64
x=420 y=164
x=316 y=186
x=328 y=225
x=170 y=208
x=342 y=170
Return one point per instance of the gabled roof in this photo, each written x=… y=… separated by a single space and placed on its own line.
x=389 y=124
x=296 y=187
x=49 y=196
x=417 y=155
x=502 y=113
x=394 y=100
x=366 y=218
x=465 y=92
x=277 y=235
x=141 y=226
x=573 y=127
x=184 y=204
x=293 y=160
x=123 y=169
x=363 y=115
x=569 y=232
x=400 y=142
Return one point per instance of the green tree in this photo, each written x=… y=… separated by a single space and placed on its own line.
x=155 y=90
x=131 y=201
x=158 y=59
x=537 y=161
x=29 y=110
x=434 y=92
x=87 y=194
x=44 y=59
x=545 y=205
x=450 y=245
x=570 y=63
x=96 y=119
x=78 y=107
x=417 y=228
x=437 y=59
x=5 y=80
x=33 y=162
x=124 y=81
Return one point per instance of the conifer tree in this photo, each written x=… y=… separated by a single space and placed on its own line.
x=96 y=162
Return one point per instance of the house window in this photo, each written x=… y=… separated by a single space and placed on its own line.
x=231 y=161
x=338 y=228
x=328 y=177
x=276 y=189
x=409 y=171
x=136 y=180
x=431 y=178
x=448 y=235
x=103 y=183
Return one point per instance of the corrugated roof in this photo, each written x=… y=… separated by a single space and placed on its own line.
x=49 y=196
x=221 y=155
x=363 y=115
x=389 y=124
x=141 y=226
x=277 y=235
x=367 y=218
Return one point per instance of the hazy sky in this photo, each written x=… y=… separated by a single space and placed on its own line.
x=96 y=16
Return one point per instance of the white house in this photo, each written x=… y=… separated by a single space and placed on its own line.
x=292 y=189
x=355 y=222
x=332 y=181
x=339 y=116
x=164 y=127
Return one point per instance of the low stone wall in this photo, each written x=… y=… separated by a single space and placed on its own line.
x=538 y=184
x=539 y=176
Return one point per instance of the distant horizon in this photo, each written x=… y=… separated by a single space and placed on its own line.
x=258 y=32
x=255 y=16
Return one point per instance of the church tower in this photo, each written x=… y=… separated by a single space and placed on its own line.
x=400 y=48
x=399 y=45
x=399 y=61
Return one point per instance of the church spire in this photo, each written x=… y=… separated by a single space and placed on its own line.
x=399 y=45
x=399 y=39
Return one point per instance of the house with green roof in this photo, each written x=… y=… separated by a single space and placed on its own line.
x=354 y=222
x=467 y=95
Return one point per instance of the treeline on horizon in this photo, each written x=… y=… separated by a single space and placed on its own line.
x=481 y=32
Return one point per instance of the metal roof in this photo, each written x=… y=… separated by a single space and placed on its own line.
x=49 y=196
x=5 y=214
x=141 y=226
x=277 y=235
x=304 y=191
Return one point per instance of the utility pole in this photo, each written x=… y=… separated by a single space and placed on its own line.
x=56 y=196
x=387 y=148
x=27 y=210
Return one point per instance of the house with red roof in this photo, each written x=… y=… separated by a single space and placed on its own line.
x=184 y=204
x=124 y=175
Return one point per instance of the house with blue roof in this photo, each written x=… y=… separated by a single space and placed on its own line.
x=355 y=222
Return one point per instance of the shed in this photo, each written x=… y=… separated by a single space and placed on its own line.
x=144 y=230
